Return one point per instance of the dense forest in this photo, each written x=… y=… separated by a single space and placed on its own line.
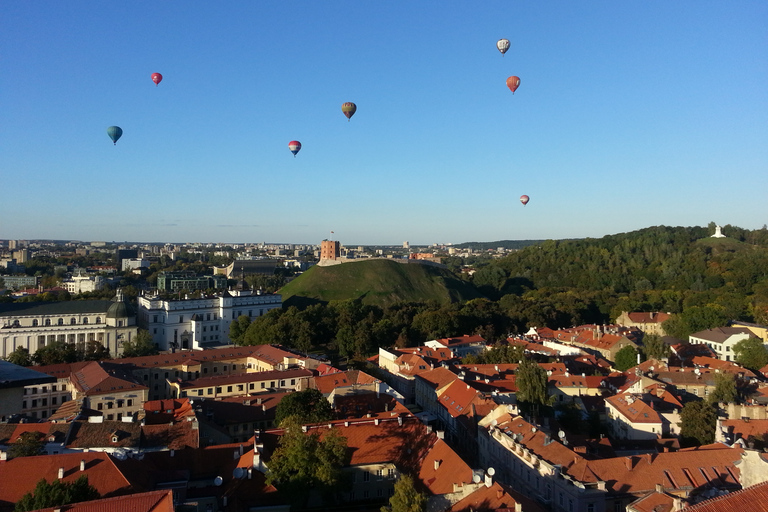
x=704 y=281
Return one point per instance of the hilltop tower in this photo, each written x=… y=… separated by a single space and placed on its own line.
x=330 y=250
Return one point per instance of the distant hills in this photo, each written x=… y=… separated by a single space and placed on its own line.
x=377 y=281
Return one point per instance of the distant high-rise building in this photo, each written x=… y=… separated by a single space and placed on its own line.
x=406 y=245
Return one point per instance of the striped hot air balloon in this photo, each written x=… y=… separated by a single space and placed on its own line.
x=524 y=199
x=349 y=109
x=513 y=83
x=294 y=146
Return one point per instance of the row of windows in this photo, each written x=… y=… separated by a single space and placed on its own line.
x=44 y=389
x=241 y=387
x=60 y=321
x=119 y=403
x=43 y=402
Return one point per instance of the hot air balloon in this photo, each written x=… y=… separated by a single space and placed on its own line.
x=524 y=199
x=157 y=78
x=114 y=132
x=503 y=45
x=294 y=146
x=349 y=109
x=513 y=83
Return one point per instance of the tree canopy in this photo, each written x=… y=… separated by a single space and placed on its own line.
x=725 y=389
x=305 y=461
x=141 y=345
x=697 y=423
x=406 y=497
x=751 y=353
x=57 y=493
x=28 y=444
x=308 y=406
x=531 y=382
x=626 y=358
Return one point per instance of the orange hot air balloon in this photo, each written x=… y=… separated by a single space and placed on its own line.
x=349 y=109
x=524 y=199
x=513 y=83
x=157 y=78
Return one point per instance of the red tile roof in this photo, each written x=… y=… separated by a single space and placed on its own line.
x=153 y=501
x=97 y=378
x=752 y=499
x=634 y=409
x=223 y=380
x=20 y=475
x=648 y=318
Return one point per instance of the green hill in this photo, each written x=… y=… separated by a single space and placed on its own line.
x=379 y=282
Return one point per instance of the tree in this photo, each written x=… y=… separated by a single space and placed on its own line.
x=751 y=353
x=304 y=461
x=654 y=347
x=531 y=381
x=697 y=423
x=725 y=389
x=626 y=358
x=142 y=345
x=20 y=356
x=57 y=493
x=237 y=328
x=308 y=406
x=406 y=497
x=28 y=444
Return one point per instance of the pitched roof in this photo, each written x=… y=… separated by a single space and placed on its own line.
x=753 y=499
x=461 y=340
x=648 y=318
x=153 y=501
x=438 y=378
x=720 y=334
x=634 y=409
x=20 y=475
x=223 y=380
x=100 y=435
x=63 y=308
x=99 y=377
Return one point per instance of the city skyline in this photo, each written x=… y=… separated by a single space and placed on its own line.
x=627 y=116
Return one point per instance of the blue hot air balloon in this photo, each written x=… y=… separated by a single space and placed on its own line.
x=114 y=132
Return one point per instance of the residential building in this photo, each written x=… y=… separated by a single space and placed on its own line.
x=460 y=346
x=721 y=340
x=13 y=385
x=223 y=386
x=648 y=322
x=20 y=282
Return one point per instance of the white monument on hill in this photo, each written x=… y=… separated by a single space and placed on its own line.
x=718 y=234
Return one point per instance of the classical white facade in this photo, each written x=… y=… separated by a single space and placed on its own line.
x=34 y=325
x=203 y=322
x=83 y=284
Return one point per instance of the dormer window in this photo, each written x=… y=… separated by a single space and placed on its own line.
x=34 y=322
x=72 y=321
x=85 y=320
x=60 y=321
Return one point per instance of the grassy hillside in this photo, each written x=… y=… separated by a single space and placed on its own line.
x=377 y=282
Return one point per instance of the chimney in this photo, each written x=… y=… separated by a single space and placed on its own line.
x=61 y=473
x=173 y=452
x=437 y=464
x=241 y=450
x=629 y=462
x=660 y=488
x=82 y=464
x=518 y=507
x=488 y=480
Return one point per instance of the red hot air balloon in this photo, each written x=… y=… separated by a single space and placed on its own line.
x=349 y=109
x=294 y=146
x=524 y=199
x=157 y=78
x=513 y=83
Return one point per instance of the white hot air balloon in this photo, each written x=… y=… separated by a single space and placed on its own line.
x=503 y=45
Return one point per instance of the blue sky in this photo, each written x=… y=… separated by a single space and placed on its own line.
x=629 y=114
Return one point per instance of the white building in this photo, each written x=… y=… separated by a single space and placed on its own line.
x=82 y=284
x=721 y=340
x=134 y=263
x=203 y=322
x=33 y=325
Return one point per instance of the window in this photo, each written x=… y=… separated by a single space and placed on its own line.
x=47 y=321
x=98 y=319
x=23 y=404
x=218 y=389
x=590 y=507
x=34 y=403
x=380 y=474
x=109 y=405
x=85 y=320
x=229 y=389
x=45 y=402
x=99 y=406
x=210 y=391
x=366 y=476
x=34 y=322
x=181 y=318
x=53 y=388
x=365 y=494
x=130 y=402
x=72 y=321
x=60 y=321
